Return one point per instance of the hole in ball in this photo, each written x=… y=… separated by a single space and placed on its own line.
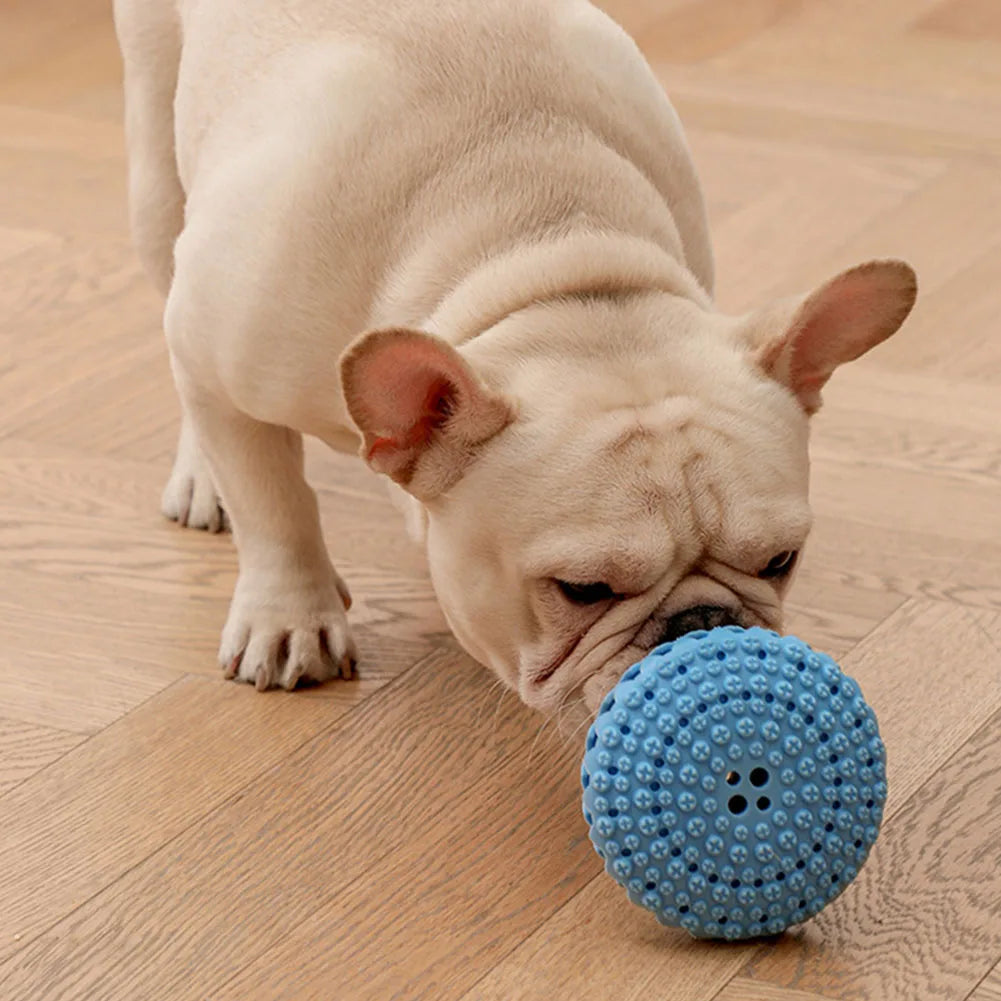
x=737 y=804
x=759 y=776
x=732 y=778
x=764 y=802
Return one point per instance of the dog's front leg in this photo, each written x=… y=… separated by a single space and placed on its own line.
x=287 y=619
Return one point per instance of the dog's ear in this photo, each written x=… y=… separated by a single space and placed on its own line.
x=801 y=342
x=422 y=410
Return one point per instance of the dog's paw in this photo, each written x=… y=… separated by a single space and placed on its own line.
x=281 y=637
x=190 y=496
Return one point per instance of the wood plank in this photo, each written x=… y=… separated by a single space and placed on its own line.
x=478 y=894
x=26 y=749
x=93 y=815
x=989 y=989
x=963 y=19
x=745 y=989
x=72 y=693
x=294 y=836
x=840 y=43
x=599 y=947
x=921 y=920
x=818 y=112
x=966 y=305
x=797 y=181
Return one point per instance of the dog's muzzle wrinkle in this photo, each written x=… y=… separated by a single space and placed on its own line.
x=699 y=617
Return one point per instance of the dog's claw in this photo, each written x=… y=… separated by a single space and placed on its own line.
x=347 y=667
x=342 y=590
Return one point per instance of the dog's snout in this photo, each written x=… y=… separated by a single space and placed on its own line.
x=699 y=617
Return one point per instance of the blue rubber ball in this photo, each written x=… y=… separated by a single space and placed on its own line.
x=734 y=782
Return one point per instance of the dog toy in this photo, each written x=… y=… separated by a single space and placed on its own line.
x=734 y=782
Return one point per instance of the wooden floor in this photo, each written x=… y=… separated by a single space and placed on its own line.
x=414 y=835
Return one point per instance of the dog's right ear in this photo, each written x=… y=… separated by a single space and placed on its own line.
x=800 y=342
x=422 y=411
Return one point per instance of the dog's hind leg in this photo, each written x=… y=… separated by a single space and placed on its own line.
x=149 y=34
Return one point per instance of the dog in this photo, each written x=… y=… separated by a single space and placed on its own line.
x=470 y=233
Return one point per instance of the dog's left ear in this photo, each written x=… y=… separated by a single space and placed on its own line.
x=421 y=408
x=801 y=342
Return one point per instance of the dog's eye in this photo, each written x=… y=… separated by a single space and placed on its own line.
x=779 y=566
x=585 y=594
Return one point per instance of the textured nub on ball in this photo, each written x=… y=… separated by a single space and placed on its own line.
x=734 y=782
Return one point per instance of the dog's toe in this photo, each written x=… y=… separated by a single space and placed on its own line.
x=269 y=649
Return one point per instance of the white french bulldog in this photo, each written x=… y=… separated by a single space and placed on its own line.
x=497 y=197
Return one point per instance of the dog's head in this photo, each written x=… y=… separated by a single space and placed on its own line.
x=603 y=474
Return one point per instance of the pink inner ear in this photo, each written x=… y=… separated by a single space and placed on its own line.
x=405 y=382
x=404 y=387
x=438 y=402
x=840 y=323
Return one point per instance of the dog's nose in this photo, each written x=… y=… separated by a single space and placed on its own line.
x=699 y=617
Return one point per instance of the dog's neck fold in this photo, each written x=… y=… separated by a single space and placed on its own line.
x=541 y=271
